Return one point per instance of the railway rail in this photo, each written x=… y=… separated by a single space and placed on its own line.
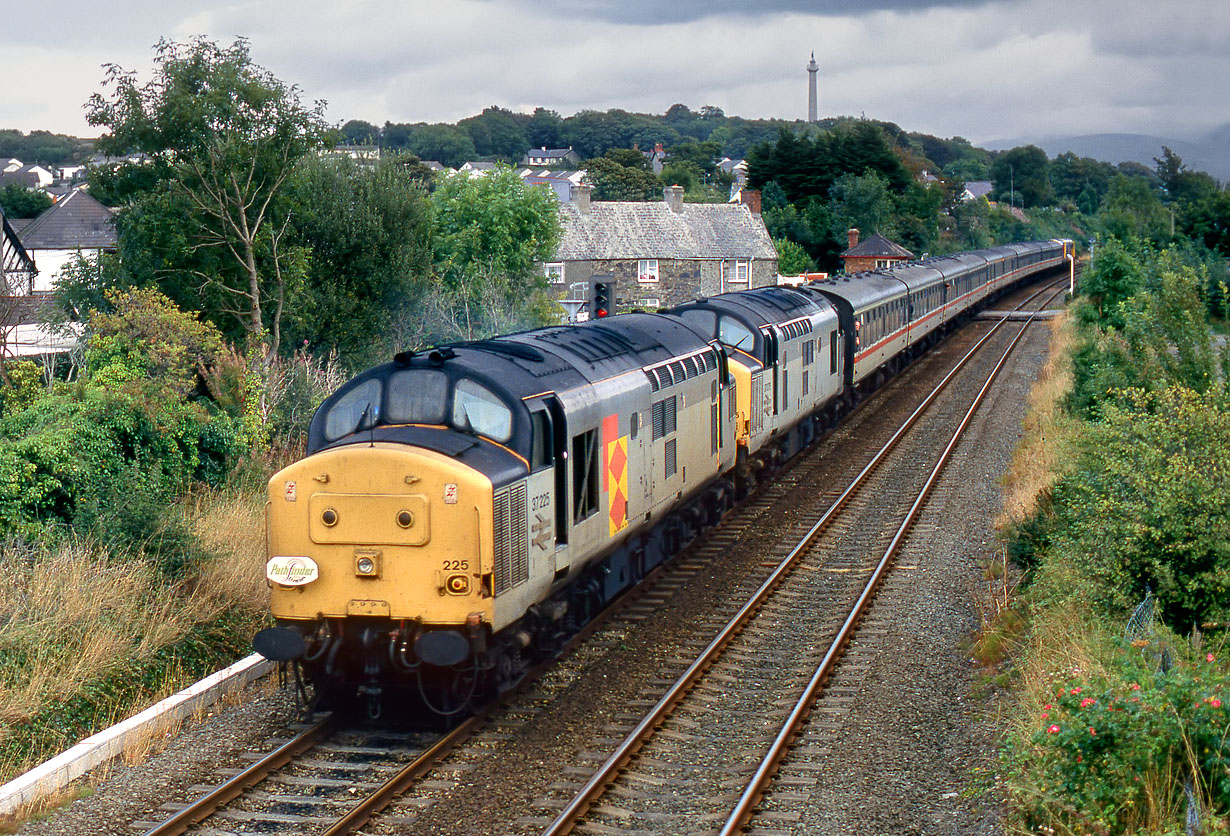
x=673 y=754
x=380 y=779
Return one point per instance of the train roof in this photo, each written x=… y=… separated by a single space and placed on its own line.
x=862 y=290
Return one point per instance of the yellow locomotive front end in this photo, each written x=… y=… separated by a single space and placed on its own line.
x=385 y=531
x=380 y=567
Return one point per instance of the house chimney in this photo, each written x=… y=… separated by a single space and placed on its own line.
x=674 y=198
x=583 y=191
x=852 y=235
x=751 y=199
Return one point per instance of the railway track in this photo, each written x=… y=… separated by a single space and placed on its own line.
x=732 y=699
x=342 y=780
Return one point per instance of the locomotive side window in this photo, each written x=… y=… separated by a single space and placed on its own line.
x=477 y=409
x=833 y=352
x=358 y=409
x=584 y=475
x=541 y=454
x=417 y=396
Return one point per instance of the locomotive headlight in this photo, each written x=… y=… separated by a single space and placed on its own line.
x=405 y=519
x=367 y=563
x=329 y=517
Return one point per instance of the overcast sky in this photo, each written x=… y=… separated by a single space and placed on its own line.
x=983 y=70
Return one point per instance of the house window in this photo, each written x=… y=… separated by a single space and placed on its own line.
x=647 y=271
x=554 y=272
x=883 y=262
x=743 y=271
x=651 y=303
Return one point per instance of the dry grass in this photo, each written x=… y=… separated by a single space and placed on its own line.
x=72 y=617
x=1045 y=449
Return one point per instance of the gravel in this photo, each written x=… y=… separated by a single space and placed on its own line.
x=912 y=752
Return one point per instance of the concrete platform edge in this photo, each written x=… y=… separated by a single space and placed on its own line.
x=57 y=773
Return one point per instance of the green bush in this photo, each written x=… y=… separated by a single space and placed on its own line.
x=1148 y=505
x=1109 y=755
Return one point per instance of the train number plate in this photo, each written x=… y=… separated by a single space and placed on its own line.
x=360 y=606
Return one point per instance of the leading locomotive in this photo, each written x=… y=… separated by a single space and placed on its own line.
x=462 y=510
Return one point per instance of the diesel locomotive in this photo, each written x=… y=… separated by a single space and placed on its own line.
x=462 y=510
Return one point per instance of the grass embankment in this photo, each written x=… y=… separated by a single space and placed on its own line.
x=1119 y=486
x=89 y=637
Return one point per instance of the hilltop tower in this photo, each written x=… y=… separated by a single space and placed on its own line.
x=812 y=98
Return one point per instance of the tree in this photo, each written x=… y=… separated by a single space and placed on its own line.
x=369 y=232
x=614 y=181
x=445 y=144
x=358 y=132
x=19 y=202
x=492 y=232
x=497 y=133
x=862 y=202
x=1024 y=169
x=226 y=134
x=545 y=129
x=792 y=259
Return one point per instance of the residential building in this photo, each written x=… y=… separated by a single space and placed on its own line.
x=872 y=254
x=76 y=225
x=975 y=189
x=561 y=182
x=564 y=158
x=664 y=253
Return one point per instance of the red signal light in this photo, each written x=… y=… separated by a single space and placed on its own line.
x=600 y=313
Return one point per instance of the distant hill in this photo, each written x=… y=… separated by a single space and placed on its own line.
x=1211 y=154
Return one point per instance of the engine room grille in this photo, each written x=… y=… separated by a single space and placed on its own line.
x=671 y=466
x=512 y=560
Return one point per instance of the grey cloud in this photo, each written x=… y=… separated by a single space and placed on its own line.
x=654 y=12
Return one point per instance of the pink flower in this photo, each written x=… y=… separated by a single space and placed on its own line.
x=1075 y=690
x=1079 y=759
x=1215 y=702
x=1091 y=731
x=1052 y=730
x=1209 y=658
x=1045 y=715
x=1135 y=687
x=1087 y=701
x=1047 y=706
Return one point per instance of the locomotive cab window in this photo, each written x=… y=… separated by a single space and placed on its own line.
x=417 y=396
x=735 y=334
x=479 y=410
x=358 y=409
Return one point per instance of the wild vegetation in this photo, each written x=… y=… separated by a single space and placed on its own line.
x=255 y=271
x=1121 y=724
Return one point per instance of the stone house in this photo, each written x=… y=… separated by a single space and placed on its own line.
x=873 y=253
x=664 y=253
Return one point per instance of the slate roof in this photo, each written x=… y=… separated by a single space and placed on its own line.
x=76 y=221
x=626 y=230
x=877 y=246
x=979 y=188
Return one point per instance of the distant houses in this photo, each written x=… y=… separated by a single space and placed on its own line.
x=661 y=253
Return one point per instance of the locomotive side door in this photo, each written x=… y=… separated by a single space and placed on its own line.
x=548 y=483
